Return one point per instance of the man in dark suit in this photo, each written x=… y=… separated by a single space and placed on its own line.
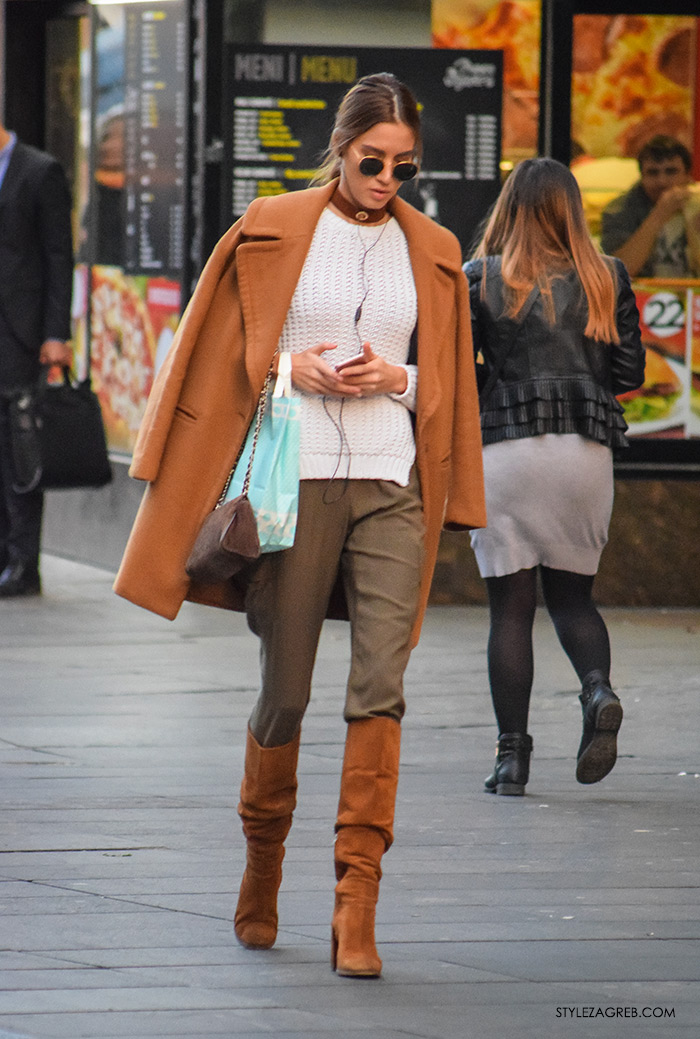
x=36 y=277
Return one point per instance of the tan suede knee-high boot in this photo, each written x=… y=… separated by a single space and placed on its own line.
x=268 y=799
x=365 y=830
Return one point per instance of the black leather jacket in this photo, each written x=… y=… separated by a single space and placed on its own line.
x=554 y=378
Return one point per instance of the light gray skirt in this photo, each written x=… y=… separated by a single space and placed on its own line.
x=548 y=501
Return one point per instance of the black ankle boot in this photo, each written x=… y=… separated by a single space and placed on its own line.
x=512 y=765
x=602 y=716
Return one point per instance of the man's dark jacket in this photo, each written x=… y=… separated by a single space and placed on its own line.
x=36 y=252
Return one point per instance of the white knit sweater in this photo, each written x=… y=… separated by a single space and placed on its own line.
x=348 y=265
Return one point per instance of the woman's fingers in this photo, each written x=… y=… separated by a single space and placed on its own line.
x=375 y=376
x=313 y=374
x=369 y=377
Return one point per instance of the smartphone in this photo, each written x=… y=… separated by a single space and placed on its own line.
x=357 y=359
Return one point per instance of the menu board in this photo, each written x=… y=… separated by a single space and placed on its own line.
x=134 y=242
x=155 y=138
x=280 y=104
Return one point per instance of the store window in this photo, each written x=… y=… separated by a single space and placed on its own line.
x=633 y=79
x=634 y=153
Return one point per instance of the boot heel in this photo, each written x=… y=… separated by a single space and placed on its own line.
x=609 y=718
x=511 y=789
x=353 y=951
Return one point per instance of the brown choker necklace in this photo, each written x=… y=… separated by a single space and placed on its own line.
x=361 y=216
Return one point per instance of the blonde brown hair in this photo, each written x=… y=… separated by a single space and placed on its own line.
x=381 y=98
x=538 y=228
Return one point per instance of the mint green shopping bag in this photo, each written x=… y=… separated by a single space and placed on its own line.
x=273 y=490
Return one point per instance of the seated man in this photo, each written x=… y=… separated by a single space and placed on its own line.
x=645 y=227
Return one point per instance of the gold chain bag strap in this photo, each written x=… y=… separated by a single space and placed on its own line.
x=228 y=538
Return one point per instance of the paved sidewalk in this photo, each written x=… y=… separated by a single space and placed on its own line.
x=121 y=748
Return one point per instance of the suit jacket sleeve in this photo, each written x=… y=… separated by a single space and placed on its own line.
x=54 y=217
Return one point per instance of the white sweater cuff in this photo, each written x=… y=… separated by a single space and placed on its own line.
x=408 y=397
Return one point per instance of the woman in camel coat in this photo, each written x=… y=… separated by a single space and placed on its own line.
x=362 y=269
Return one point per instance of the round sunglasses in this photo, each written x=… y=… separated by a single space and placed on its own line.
x=371 y=166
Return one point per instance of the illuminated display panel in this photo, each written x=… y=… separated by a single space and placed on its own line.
x=136 y=236
x=633 y=78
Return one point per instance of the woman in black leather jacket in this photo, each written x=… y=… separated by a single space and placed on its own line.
x=558 y=330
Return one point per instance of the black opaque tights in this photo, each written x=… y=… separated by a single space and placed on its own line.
x=579 y=626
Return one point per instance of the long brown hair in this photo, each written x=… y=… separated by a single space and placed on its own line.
x=538 y=228
x=381 y=98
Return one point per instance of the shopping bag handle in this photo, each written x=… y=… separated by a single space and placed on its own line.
x=283 y=384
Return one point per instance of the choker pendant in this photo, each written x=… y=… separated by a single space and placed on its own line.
x=361 y=216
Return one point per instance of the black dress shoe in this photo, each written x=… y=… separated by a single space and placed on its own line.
x=19 y=579
x=602 y=717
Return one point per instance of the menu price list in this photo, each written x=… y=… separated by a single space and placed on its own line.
x=256 y=132
x=155 y=136
x=481 y=147
x=271 y=132
x=246 y=188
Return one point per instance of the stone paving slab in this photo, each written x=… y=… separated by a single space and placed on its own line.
x=121 y=749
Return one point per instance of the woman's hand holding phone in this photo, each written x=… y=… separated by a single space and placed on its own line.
x=372 y=375
x=312 y=374
x=363 y=375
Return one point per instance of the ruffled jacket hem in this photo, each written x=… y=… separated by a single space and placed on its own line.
x=542 y=405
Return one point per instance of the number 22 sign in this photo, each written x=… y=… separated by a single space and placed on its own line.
x=663 y=322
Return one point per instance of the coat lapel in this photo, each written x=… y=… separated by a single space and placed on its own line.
x=270 y=260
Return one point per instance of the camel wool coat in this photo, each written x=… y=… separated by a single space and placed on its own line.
x=206 y=392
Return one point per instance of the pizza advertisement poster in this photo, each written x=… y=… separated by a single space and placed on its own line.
x=632 y=78
x=130 y=316
x=163 y=303
x=513 y=26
